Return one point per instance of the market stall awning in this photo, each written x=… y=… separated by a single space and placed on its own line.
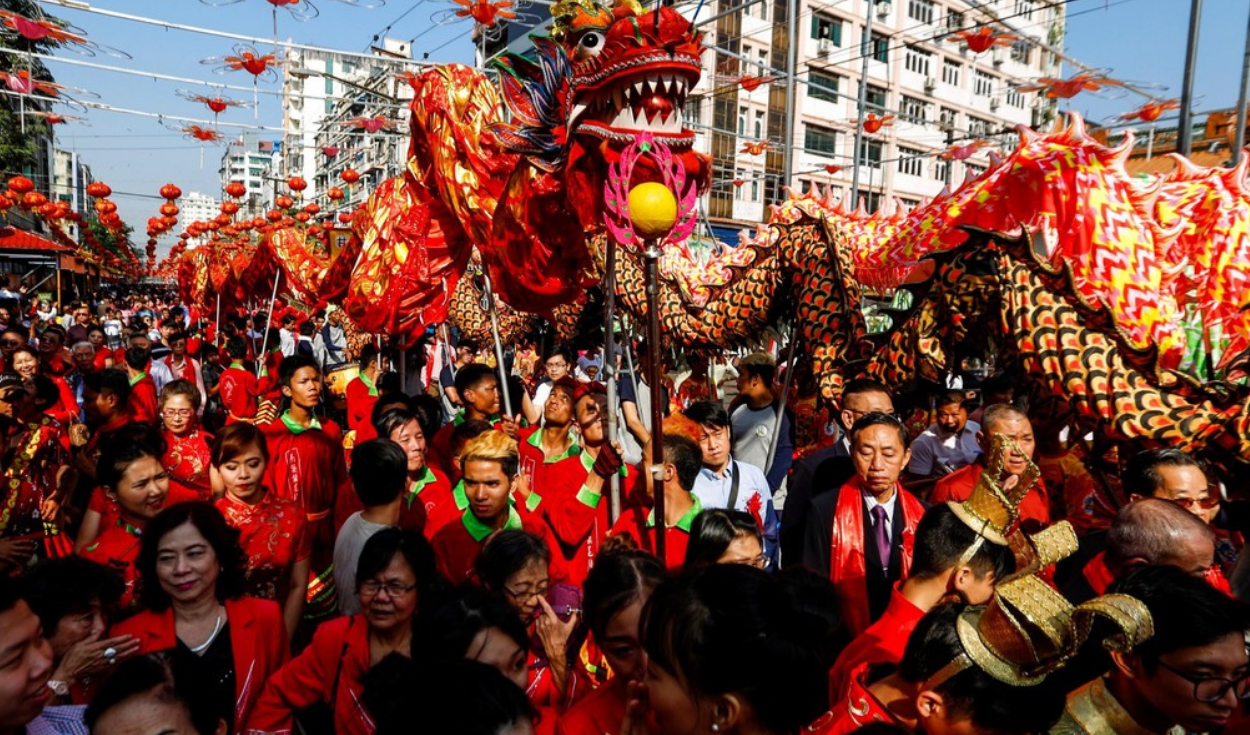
x=12 y=238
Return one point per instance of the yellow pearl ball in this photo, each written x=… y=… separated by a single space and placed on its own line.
x=652 y=209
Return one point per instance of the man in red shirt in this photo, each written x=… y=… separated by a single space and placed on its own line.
x=238 y=388
x=1011 y=422
x=682 y=461
x=143 y=407
x=362 y=393
x=550 y=455
x=427 y=504
x=307 y=466
x=478 y=387
x=490 y=484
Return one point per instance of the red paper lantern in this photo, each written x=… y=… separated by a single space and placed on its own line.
x=312 y=208
x=229 y=207
x=34 y=199
x=345 y=217
x=283 y=201
x=273 y=215
x=351 y=176
x=296 y=183
x=21 y=184
x=48 y=210
x=171 y=192
x=169 y=209
x=5 y=203
x=236 y=189
x=99 y=189
x=104 y=206
x=334 y=193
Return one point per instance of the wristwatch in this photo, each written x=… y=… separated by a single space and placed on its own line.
x=61 y=688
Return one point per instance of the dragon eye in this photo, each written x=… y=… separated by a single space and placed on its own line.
x=590 y=45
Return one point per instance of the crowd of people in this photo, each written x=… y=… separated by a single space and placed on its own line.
x=252 y=523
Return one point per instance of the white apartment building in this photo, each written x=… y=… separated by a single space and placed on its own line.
x=250 y=162
x=70 y=177
x=940 y=93
x=197 y=207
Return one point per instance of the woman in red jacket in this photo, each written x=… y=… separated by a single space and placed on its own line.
x=26 y=364
x=220 y=643
x=617 y=590
x=187 y=456
x=396 y=570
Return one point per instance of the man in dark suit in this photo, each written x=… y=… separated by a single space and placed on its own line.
x=829 y=468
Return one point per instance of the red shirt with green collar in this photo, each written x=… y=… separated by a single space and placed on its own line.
x=581 y=522
x=239 y=393
x=438 y=449
x=457 y=544
x=434 y=500
x=639 y=523
x=362 y=395
x=142 y=401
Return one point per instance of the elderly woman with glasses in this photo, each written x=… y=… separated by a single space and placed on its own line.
x=187 y=455
x=395 y=573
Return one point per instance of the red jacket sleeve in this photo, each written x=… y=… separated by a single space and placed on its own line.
x=302 y=682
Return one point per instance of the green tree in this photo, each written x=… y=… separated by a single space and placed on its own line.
x=18 y=143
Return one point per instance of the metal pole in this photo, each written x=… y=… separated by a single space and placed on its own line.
x=609 y=367
x=1185 y=125
x=488 y=295
x=1239 y=139
x=781 y=405
x=652 y=254
x=792 y=35
x=863 y=100
x=217 y=324
x=264 y=340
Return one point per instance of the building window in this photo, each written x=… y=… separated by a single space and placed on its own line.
x=763 y=64
x=759 y=124
x=824 y=86
x=1017 y=99
x=870 y=153
x=757 y=10
x=948 y=118
x=742 y=121
x=916 y=61
x=921 y=10
x=954 y=20
x=691 y=114
x=941 y=168
x=1024 y=9
x=881 y=48
x=827 y=27
x=1021 y=51
x=978 y=127
x=982 y=84
x=739 y=175
x=974 y=171
x=875 y=99
x=909 y=204
x=950 y=72
x=914 y=109
x=755 y=189
x=819 y=141
x=911 y=161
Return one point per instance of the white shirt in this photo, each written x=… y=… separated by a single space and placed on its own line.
x=714 y=491
x=935 y=454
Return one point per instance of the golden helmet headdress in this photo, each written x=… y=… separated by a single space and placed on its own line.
x=993 y=509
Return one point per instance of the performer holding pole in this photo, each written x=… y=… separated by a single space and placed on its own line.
x=609 y=367
x=488 y=305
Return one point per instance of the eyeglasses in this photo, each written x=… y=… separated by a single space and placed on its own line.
x=372 y=587
x=528 y=593
x=1209 y=689
x=1206 y=503
x=176 y=412
x=556 y=365
x=11 y=343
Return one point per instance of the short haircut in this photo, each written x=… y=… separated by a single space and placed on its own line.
x=563 y=351
x=713 y=531
x=212 y=525
x=505 y=553
x=383 y=546
x=942 y=539
x=1187 y=612
x=467 y=431
x=70 y=585
x=368 y=356
x=180 y=387
x=1153 y=530
x=150 y=676
x=972 y=694
x=880 y=419
x=496 y=446
x=429 y=412
x=708 y=413
x=379 y=471
x=997 y=383
x=112 y=381
x=180 y=335
x=307 y=328
x=759 y=365
x=459 y=695
x=444 y=629
x=288 y=319
x=171 y=323
x=236 y=347
x=392 y=419
x=620 y=577
x=1141 y=472
x=949 y=398
x=293 y=364
x=236 y=438
x=137 y=358
x=468 y=343
x=682 y=452
x=470 y=377
x=124 y=447
x=861 y=386
x=54 y=330
x=1001 y=412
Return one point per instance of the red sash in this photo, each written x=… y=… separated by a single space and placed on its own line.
x=1100 y=578
x=849 y=570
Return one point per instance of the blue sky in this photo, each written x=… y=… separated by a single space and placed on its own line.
x=1138 y=40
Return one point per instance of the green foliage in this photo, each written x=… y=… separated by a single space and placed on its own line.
x=118 y=243
x=19 y=147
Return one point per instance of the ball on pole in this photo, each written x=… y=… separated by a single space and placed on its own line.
x=652 y=210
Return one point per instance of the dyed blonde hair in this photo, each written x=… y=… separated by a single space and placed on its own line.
x=492 y=446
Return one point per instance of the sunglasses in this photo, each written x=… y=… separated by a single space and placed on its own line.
x=1206 y=503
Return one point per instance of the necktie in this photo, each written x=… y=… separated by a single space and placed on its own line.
x=881 y=535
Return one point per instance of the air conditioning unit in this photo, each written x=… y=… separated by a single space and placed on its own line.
x=930 y=84
x=998 y=56
x=995 y=103
x=883 y=9
x=824 y=46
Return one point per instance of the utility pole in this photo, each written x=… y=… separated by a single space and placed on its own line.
x=866 y=50
x=1184 y=131
x=1239 y=139
x=792 y=54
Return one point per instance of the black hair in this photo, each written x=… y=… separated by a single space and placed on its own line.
x=816 y=599
x=765 y=371
x=150 y=675
x=126 y=445
x=368 y=356
x=713 y=531
x=429 y=412
x=466 y=430
x=212 y=525
x=389 y=385
x=293 y=364
x=505 y=553
x=1141 y=472
x=470 y=376
x=460 y=697
x=949 y=398
x=379 y=471
x=860 y=386
x=46 y=392
x=444 y=630
x=563 y=351
x=307 y=328
x=69 y=585
x=941 y=541
x=137 y=357
x=56 y=330
x=12 y=591
x=1187 y=611
x=708 y=413
x=113 y=381
x=731 y=628
x=468 y=343
x=236 y=347
x=681 y=452
x=881 y=419
x=972 y=694
x=620 y=577
x=382 y=547
x=390 y=419
x=288 y=319
x=997 y=383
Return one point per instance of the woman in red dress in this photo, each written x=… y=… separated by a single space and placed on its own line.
x=617 y=590
x=272 y=530
x=187 y=456
x=26 y=364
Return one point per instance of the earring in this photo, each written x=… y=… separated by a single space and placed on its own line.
x=715 y=727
